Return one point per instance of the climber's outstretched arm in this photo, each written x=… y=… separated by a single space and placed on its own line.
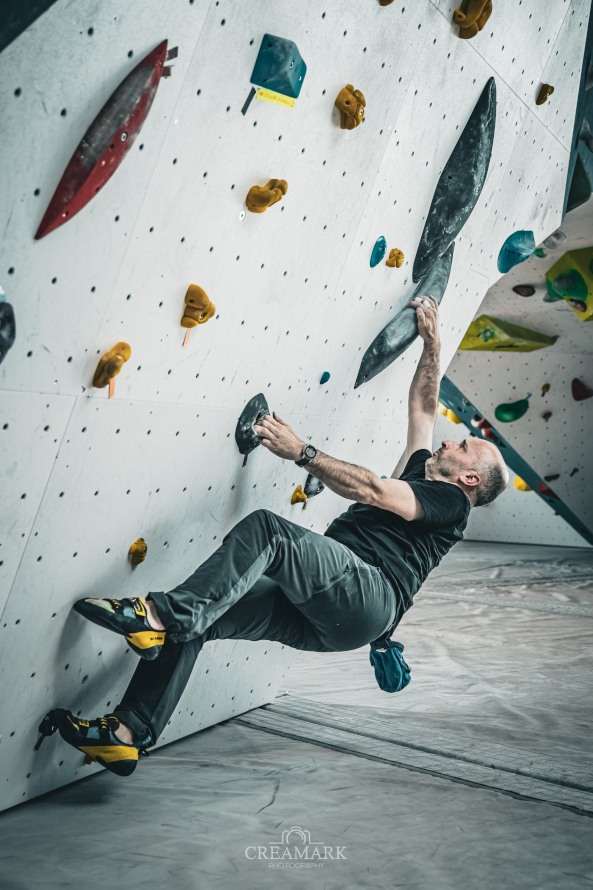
x=424 y=391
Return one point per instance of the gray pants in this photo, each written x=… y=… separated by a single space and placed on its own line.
x=269 y=580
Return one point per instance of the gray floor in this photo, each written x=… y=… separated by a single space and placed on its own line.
x=500 y=646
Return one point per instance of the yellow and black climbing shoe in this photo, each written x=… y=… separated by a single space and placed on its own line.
x=128 y=618
x=95 y=738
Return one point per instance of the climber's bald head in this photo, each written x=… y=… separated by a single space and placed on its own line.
x=474 y=465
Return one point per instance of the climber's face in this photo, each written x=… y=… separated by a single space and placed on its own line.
x=457 y=461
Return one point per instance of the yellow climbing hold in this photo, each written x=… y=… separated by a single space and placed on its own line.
x=453 y=417
x=259 y=198
x=442 y=409
x=520 y=485
x=544 y=91
x=198 y=308
x=138 y=551
x=111 y=364
x=351 y=104
x=471 y=17
x=545 y=388
x=298 y=496
x=395 y=258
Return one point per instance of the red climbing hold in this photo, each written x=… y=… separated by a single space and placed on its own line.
x=107 y=141
x=488 y=434
x=524 y=290
x=580 y=391
x=546 y=415
x=547 y=492
x=483 y=424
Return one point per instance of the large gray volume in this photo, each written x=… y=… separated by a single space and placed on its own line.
x=460 y=184
x=403 y=329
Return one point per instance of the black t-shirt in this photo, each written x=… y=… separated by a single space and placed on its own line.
x=406 y=551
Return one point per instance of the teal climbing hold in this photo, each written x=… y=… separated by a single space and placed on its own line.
x=279 y=66
x=325 y=377
x=378 y=251
x=516 y=249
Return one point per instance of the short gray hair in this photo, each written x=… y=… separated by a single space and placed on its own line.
x=492 y=483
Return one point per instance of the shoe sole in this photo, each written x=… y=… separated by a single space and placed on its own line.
x=147 y=643
x=118 y=759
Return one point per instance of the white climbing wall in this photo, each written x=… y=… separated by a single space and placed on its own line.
x=561 y=444
x=295 y=296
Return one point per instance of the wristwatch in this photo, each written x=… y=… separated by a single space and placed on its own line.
x=307 y=455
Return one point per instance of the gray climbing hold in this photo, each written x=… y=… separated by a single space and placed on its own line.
x=555 y=240
x=402 y=330
x=460 y=183
x=313 y=486
x=7 y=329
x=585 y=134
x=245 y=436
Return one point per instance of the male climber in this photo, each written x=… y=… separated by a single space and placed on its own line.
x=274 y=580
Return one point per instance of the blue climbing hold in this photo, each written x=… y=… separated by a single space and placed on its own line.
x=325 y=377
x=279 y=66
x=516 y=249
x=378 y=251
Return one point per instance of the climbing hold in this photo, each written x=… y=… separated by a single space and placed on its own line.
x=495 y=335
x=546 y=415
x=544 y=91
x=517 y=248
x=511 y=411
x=299 y=496
x=138 y=551
x=576 y=470
x=580 y=186
x=442 y=409
x=395 y=258
x=108 y=140
x=472 y=16
x=520 y=485
x=325 y=377
x=480 y=423
x=453 y=417
x=7 y=329
x=279 y=66
x=259 y=198
x=555 y=240
x=402 y=330
x=110 y=364
x=539 y=253
x=385 y=2
x=571 y=277
x=552 y=478
x=489 y=434
x=585 y=135
x=545 y=388
x=580 y=391
x=313 y=486
x=198 y=309
x=245 y=436
x=460 y=184
x=378 y=251
x=524 y=290
x=351 y=104
x=547 y=492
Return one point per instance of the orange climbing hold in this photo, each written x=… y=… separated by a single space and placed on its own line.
x=471 y=17
x=395 y=258
x=299 y=496
x=138 y=551
x=260 y=197
x=198 y=309
x=110 y=365
x=544 y=92
x=351 y=104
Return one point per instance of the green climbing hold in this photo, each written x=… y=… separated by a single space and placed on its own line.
x=551 y=296
x=539 y=252
x=487 y=334
x=325 y=377
x=511 y=411
x=571 y=284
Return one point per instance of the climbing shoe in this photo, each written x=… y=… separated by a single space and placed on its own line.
x=95 y=738
x=128 y=618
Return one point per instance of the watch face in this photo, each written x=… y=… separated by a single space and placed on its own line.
x=310 y=452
